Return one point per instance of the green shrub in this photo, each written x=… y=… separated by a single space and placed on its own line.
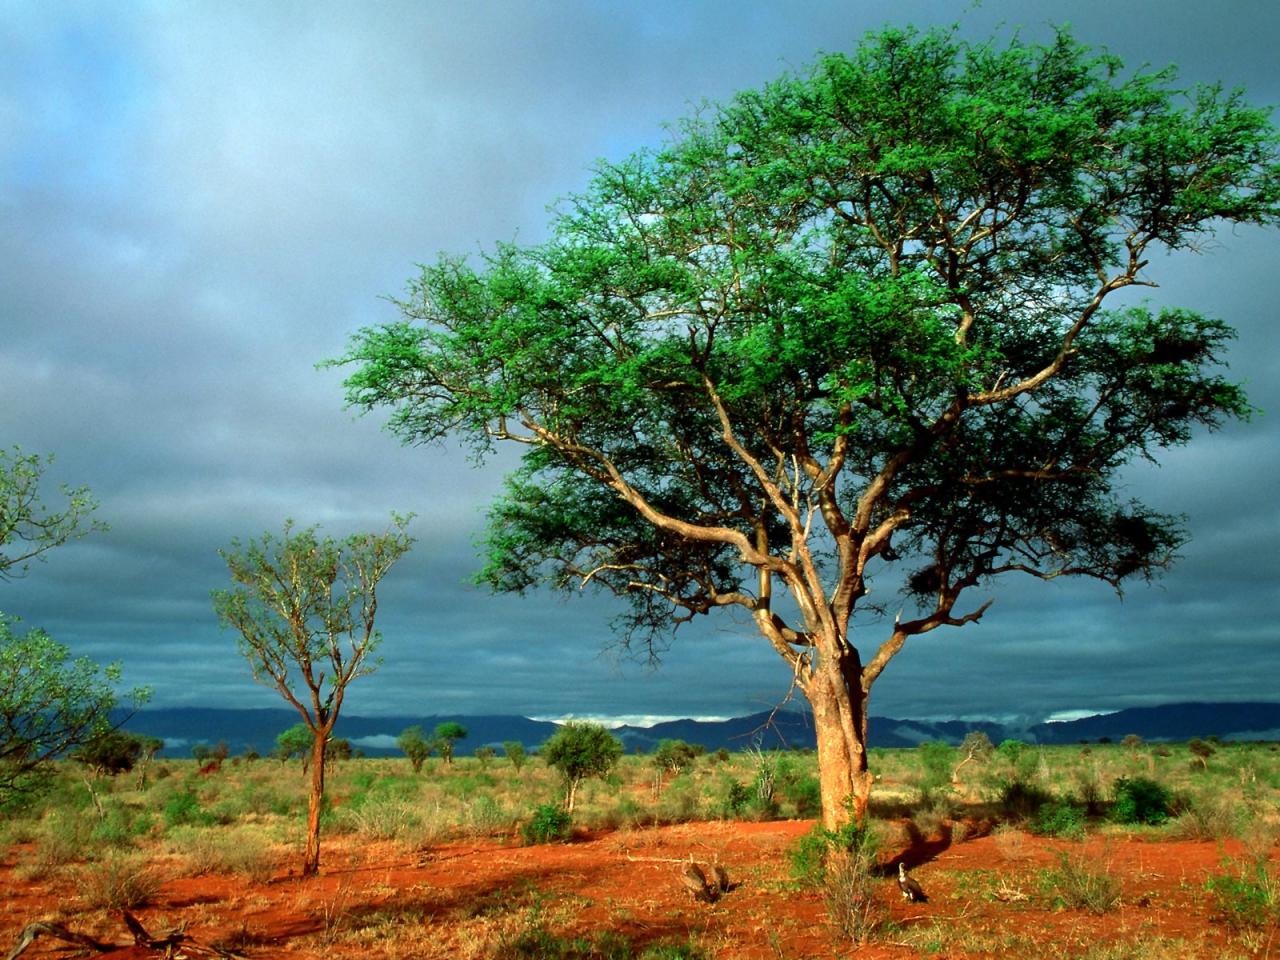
x=841 y=864
x=1247 y=898
x=549 y=823
x=936 y=761
x=1141 y=800
x=514 y=751
x=804 y=793
x=184 y=808
x=485 y=815
x=120 y=824
x=1021 y=799
x=1075 y=884
x=1060 y=818
x=809 y=854
x=680 y=801
x=737 y=796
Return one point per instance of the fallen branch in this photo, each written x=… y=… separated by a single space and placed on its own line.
x=40 y=928
x=141 y=938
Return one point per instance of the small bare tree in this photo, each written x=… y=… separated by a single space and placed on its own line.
x=304 y=608
x=976 y=748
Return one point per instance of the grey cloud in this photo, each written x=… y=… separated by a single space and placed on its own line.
x=198 y=202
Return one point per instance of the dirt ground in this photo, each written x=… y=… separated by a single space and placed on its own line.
x=465 y=899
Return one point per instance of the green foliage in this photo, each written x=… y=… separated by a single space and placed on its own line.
x=295 y=597
x=675 y=756
x=1076 y=884
x=536 y=942
x=1021 y=799
x=50 y=704
x=27 y=528
x=446 y=735
x=549 y=823
x=578 y=750
x=1248 y=897
x=184 y=808
x=484 y=755
x=810 y=854
x=844 y=289
x=736 y=796
x=414 y=744
x=295 y=741
x=513 y=750
x=1141 y=800
x=1060 y=818
x=937 y=758
x=111 y=752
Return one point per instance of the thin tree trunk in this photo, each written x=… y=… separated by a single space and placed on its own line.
x=840 y=722
x=311 y=857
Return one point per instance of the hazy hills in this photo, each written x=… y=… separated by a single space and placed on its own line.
x=181 y=728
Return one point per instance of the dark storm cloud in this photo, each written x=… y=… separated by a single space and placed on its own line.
x=200 y=201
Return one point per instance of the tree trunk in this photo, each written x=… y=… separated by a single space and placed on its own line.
x=840 y=722
x=311 y=857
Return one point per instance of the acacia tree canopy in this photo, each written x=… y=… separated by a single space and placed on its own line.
x=855 y=320
x=27 y=527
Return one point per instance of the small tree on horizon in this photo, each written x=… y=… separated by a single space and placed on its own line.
x=296 y=740
x=514 y=751
x=446 y=735
x=304 y=610
x=414 y=744
x=579 y=750
x=111 y=753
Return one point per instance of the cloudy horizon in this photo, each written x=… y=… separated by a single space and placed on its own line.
x=200 y=202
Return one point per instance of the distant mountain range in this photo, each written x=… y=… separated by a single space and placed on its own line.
x=183 y=727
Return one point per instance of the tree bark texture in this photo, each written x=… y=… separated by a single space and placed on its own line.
x=840 y=723
x=311 y=856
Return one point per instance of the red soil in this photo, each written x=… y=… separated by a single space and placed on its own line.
x=379 y=900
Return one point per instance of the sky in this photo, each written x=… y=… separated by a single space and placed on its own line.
x=200 y=201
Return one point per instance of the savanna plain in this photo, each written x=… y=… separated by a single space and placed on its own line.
x=1096 y=851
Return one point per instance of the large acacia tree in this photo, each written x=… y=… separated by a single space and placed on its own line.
x=857 y=319
x=304 y=607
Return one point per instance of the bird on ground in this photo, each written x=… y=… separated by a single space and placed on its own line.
x=722 y=878
x=695 y=881
x=912 y=892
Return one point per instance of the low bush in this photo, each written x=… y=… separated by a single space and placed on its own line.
x=734 y=799
x=184 y=808
x=1060 y=818
x=244 y=852
x=549 y=823
x=1021 y=799
x=841 y=864
x=1076 y=885
x=119 y=882
x=1248 y=897
x=1141 y=800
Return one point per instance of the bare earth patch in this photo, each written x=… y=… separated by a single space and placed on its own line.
x=988 y=896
